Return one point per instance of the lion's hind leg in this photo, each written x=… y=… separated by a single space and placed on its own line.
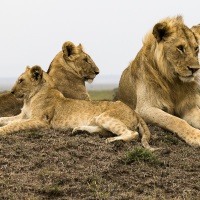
x=117 y=127
x=89 y=129
x=125 y=137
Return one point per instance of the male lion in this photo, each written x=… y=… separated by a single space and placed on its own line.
x=46 y=107
x=69 y=69
x=162 y=81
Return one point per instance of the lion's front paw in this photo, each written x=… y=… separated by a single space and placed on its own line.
x=194 y=139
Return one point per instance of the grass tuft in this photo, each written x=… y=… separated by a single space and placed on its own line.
x=139 y=155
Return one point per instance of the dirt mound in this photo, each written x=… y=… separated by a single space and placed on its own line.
x=58 y=165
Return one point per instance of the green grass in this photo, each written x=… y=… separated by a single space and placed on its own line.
x=139 y=155
x=101 y=94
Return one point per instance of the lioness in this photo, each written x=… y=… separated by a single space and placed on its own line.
x=46 y=107
x=69 y=69
x=162 y=81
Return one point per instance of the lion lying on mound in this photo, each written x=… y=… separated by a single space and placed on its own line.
x=46 y=107
x=162 y=81
x=69 y=69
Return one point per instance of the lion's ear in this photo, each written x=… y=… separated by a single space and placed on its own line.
x=196 y=31
x=69 y=50
x=27 y=68
x=80 y=47
x=161 y=31
x=36 y=73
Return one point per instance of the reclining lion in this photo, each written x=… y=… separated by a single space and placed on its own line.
x=162 y=81
x=69 y=69
x=46 y=107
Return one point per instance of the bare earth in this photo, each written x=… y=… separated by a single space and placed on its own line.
x=58 y=165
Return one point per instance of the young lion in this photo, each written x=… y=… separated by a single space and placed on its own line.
x=46 y=107
x=70 y=69
x=162 y=81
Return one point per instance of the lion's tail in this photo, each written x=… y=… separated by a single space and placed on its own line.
x=144 y=131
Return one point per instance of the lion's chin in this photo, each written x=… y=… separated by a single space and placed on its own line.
x=89 y=80
x=19 y=96
x=187 y=78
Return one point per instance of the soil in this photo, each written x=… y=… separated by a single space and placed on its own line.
x=52 y=164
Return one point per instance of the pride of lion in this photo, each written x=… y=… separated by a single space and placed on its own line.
x=161 y=84
x=46 y=107
x=70 y=69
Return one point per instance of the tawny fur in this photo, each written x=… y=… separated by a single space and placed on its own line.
x=196 y=30
x=162 y=82
x=46 y=107
x=70 y=68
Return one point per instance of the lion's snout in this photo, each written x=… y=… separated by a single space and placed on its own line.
x=193 y=69
x=12 y=92
x=96 y=72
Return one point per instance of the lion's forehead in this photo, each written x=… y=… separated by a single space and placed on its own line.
x=185 y=35
x=22 y=76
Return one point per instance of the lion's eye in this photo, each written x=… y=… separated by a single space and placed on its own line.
x=20 y=80
x=196 y=49
x=86 y=60
x=181 y=48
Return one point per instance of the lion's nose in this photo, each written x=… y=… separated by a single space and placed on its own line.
x=193 y=70
x=12 y=92
x=96 y=73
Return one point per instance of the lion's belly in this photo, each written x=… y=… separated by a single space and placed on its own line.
x=72 y=120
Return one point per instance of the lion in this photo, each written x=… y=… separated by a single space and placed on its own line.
x=70 y=69
x=46 y=107
x=162 y=82
x=9 y=104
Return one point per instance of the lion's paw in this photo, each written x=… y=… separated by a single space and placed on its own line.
x=195 y=142
x=111 y=139
x=194 y=139
x=75 y=130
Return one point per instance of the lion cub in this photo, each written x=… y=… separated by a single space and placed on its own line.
x=46 y=107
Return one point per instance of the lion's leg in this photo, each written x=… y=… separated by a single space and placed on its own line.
x=192 y=116
x=125 y=137
x=28 y=124
x=7 y=120
x=115 y=126
x=89 y=129
x=174 y=124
